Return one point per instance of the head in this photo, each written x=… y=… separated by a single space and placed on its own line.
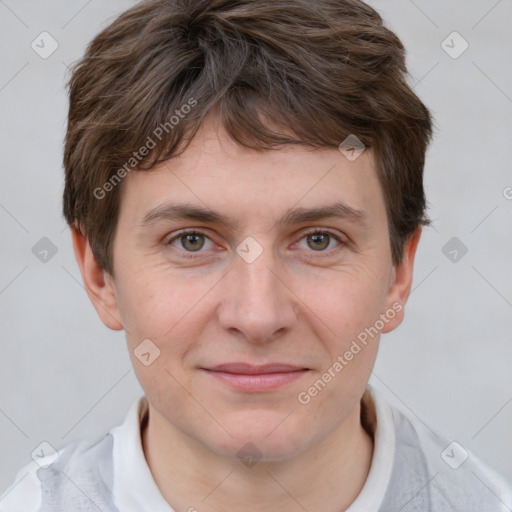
x=224 y=119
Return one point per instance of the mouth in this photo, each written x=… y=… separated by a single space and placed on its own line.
x=251 y=378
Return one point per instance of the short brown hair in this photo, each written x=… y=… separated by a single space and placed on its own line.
x=319 y=70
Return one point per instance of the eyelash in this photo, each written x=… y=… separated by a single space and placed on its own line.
x=199 y=231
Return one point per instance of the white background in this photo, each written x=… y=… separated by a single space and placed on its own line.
x=63 y=375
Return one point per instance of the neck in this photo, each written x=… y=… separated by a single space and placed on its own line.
x=327 y=476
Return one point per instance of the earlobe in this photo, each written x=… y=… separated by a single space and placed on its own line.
x=401 y=281
x=98 y=284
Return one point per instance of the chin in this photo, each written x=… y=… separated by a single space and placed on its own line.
x=265 y=438
x=250 y=451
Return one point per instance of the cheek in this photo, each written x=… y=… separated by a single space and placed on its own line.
x=151 y=301
x=170 y=312
x=349 y=313
x=349 y=302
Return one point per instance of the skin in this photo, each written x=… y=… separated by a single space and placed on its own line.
x=302 y=301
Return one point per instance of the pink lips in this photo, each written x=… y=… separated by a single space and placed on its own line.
x=247 y=377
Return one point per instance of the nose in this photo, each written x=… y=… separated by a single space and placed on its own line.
x=258 y=304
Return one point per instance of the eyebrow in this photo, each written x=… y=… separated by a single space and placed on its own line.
x=186 y=211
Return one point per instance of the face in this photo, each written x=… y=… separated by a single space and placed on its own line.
x=277 y=257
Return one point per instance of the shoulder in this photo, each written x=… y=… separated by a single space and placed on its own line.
x=24 y=495
x=433 y=473
x=80 y=470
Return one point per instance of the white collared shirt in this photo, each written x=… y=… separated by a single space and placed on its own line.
x=412 y=468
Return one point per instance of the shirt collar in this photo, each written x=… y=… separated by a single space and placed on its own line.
x=379 y=419
x=135 y=489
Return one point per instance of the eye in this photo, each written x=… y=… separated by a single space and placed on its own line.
x=190 y=240
x=319 y=241
x=193 y=240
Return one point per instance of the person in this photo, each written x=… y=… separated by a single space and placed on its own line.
x=244 y=189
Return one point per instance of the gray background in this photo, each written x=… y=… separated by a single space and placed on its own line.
x=63 y=375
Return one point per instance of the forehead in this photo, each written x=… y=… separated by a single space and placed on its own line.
x=216 y=173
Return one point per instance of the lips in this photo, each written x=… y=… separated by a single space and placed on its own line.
x=249 y=369
x=248 y=378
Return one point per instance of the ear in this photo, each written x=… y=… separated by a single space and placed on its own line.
x=400 y=283
x=99 y=285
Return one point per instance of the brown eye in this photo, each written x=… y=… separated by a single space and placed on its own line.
x=192 y=241
x=321 y=242
x=318 y=241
